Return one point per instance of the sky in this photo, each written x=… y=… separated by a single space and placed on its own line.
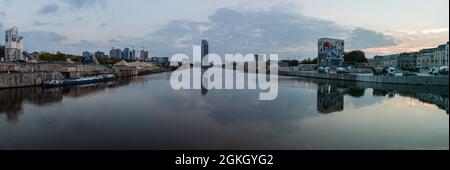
x=290 y=28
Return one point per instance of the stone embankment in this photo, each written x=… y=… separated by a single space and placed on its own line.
x=23 y=75
x=408 y=80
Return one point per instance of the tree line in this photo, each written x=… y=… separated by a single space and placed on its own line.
x=351 y=57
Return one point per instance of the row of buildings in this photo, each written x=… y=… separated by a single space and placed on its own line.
x=126 y=54
x=426 y=58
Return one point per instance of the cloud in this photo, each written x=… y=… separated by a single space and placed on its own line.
x=83 y=4
x=104 y=24
x=435 y=31
x=48 y=9
x=361 y=38
x=2 y=13
x=232 y=30
x=39 y=23
x=42 y=40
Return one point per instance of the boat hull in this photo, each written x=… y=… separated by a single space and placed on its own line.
x=75 y=82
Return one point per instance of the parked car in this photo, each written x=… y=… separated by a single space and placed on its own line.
x=443 y=70
x=392 y=71
x=378 y=71
x=342 y=70
x=433 y=71
x=324 y=70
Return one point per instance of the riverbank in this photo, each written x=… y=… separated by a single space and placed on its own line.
x=407 y=80
x=14 y=75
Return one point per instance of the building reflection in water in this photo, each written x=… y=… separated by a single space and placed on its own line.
x=329 y=99
x=204 y=82
x=12 y=100
x=330 y=94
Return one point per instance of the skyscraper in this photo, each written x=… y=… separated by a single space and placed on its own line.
x=99 y=54
x=205 y=49
x=144 y=55
x=126 y=53
x=115 y=53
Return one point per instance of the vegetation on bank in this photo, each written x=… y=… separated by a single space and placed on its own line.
x=355 y=57
x=2 y=51
x=350 y=58
x=309 y=61
x=58 y=56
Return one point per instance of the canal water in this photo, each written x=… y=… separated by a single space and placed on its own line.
x=146 y=113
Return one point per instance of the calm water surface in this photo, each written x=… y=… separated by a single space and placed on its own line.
x=146 y=113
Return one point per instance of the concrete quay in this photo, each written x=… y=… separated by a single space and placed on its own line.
x=14 y=75
x=407 y=80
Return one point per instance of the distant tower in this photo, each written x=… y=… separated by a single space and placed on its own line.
x=205 y=49
x=13 y=45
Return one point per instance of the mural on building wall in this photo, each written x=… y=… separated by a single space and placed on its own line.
x=331 y=51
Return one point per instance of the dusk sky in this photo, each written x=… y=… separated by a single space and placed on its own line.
x=287 y=27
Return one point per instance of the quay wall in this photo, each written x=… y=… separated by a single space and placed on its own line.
x=12 y=80
x=409 y=80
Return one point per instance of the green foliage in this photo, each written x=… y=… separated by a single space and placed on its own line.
x=355 y=57
x=291 y=63
x=2 y=51
x=309 y=61
x=58 y=56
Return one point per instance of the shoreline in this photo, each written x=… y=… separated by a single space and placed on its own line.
x=30 y=79
x=406 y=80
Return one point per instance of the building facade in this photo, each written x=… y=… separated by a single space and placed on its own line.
x=330 y=52
x=205 y=48
x=408 y=61
x=99 y=54
x=126 y=54
x=115 y=53
x=425 y=58
x=441 y=55
x=144 y=55
x=13 y=45
x=386 y=61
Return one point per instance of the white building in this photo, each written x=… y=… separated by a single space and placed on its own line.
x=441 y=55
x=13 y=45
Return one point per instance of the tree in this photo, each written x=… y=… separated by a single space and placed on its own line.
x=58 y=56
x=291 y=63
x=2 y=51
x=355 y=57
x=309 y=61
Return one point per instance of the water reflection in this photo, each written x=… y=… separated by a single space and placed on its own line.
x=12 y=100
x=146 y=113
x=330 y=94
x=329 y=99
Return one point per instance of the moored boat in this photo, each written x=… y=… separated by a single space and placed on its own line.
x=79 y=81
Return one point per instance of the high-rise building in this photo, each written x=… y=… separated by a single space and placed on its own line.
x=99 y=54
x=115 y=53
x=133 y=54
x=331 y=52
x=126 y=54
x=205 y=48
x=13 y=45
x=144 y=55
x=86 y=54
